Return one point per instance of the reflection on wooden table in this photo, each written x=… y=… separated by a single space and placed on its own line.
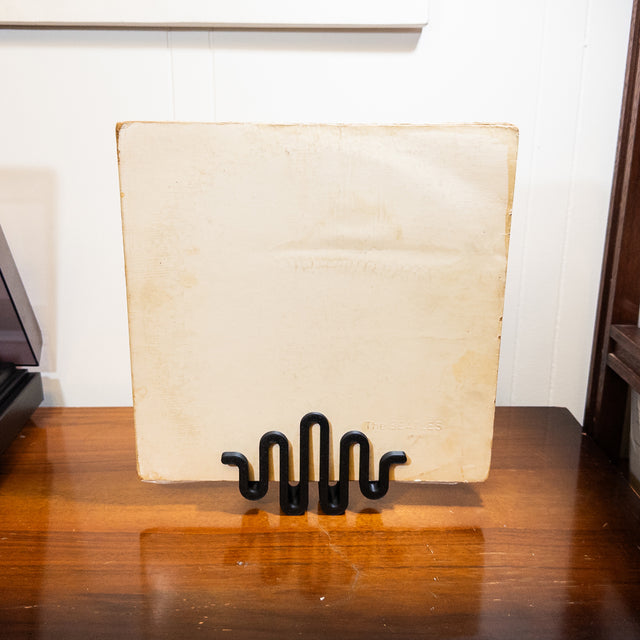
x=548 y=547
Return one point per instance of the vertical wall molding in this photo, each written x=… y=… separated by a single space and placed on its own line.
x=193 y=77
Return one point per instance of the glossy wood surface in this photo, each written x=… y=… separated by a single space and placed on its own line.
x=548 y=547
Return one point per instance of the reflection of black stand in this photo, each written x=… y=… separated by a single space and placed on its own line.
x=20 y=344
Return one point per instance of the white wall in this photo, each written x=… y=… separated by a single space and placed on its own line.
x=555 y=69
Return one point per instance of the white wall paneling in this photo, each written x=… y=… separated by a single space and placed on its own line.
x=192 y=75
x=586 y=213
x=534 y=294
x=63 y=93
x=555 y=69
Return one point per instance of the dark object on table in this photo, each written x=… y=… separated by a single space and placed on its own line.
x=334 y=498
x=20 y=344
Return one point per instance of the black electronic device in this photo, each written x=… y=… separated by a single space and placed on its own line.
x=20 y=345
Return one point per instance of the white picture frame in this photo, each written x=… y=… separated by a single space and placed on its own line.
x=331 y=14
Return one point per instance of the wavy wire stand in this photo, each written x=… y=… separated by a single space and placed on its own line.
x=294 y=499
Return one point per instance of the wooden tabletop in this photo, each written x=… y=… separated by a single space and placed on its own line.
x=548 y=547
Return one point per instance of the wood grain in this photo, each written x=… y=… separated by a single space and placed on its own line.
x=548 y=547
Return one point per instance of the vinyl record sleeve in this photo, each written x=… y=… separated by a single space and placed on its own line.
x=353 y=270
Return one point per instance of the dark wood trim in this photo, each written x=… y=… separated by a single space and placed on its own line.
x=624 y=358
x=619 y=300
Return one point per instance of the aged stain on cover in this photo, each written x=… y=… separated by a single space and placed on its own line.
x=353 y=270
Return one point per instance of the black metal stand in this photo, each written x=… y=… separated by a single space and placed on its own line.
x=294 y=499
